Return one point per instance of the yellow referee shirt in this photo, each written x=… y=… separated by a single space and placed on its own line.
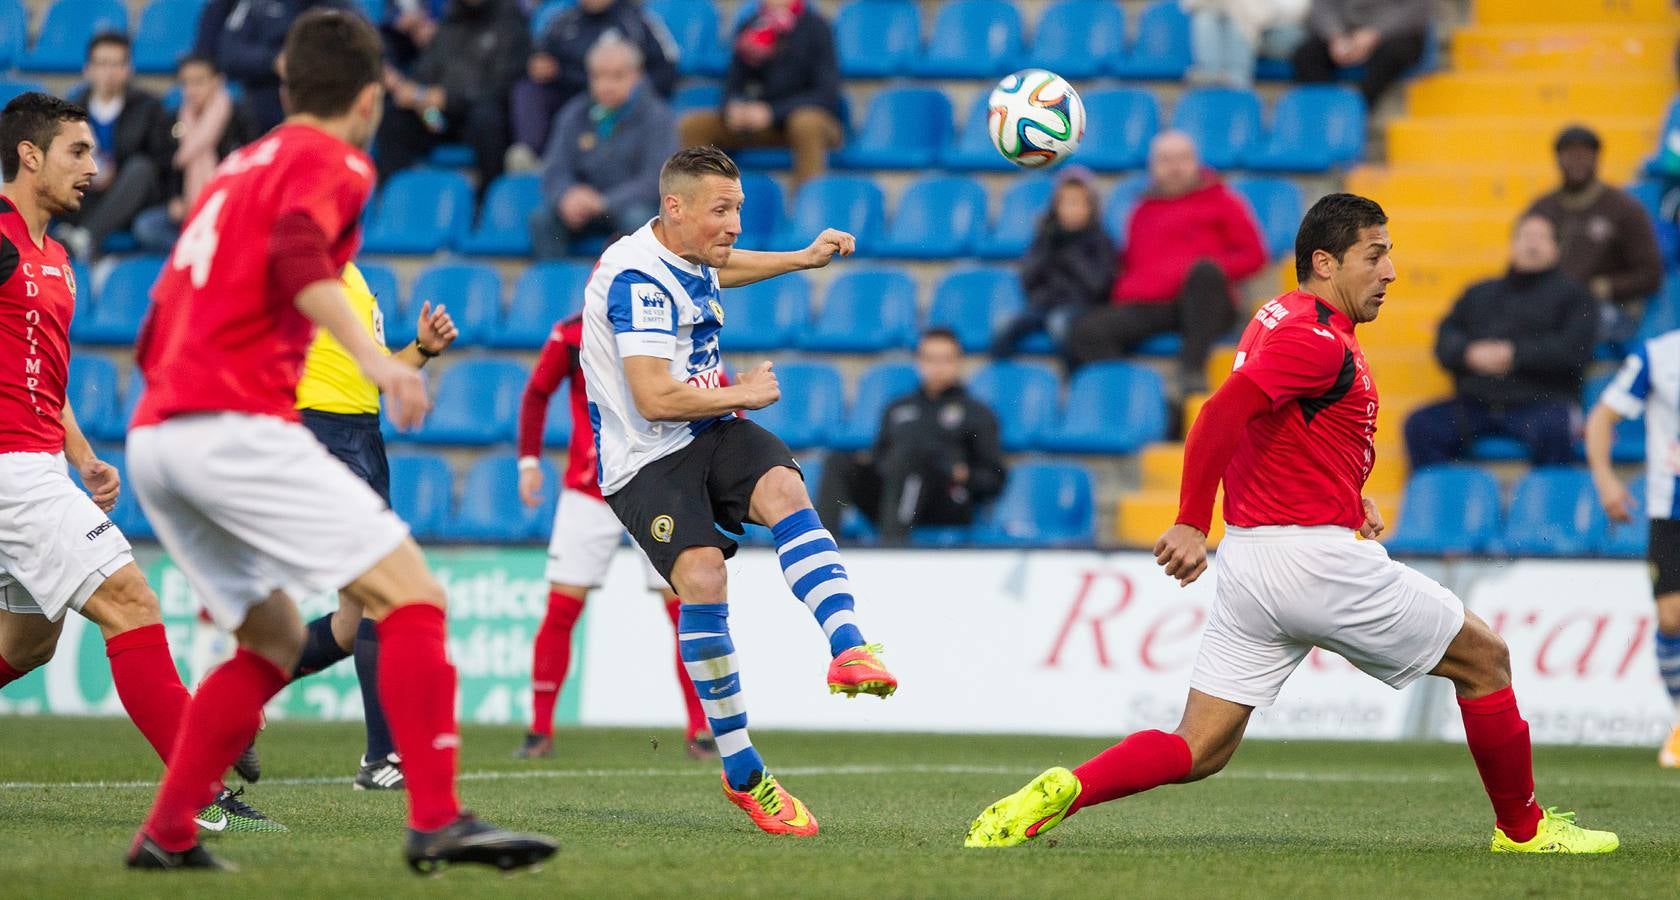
x=332 y=382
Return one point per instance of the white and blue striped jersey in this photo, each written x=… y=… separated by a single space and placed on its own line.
x=644 y=300
x=1649 y=385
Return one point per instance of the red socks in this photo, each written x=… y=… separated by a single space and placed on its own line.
x=1145 y=760
x=696 y=713
x=148 y=684
x=218 y=724
x=417 y=687
x=9 y=674
x=551 y=656
x=1498 y=739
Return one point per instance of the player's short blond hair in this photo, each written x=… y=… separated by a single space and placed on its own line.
x=692 y=164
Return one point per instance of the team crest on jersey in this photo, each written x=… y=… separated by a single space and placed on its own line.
x=716 y=308
x=69 y=279
x=662 y=528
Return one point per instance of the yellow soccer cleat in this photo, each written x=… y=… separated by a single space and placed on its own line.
x=1558 y=833
x=860 y=671
x=1027 y=813
x=1669 y=756
x=772 y=808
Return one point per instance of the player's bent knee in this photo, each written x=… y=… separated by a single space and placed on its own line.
x=779 y=493
x=699 y=575
x=27 y=656
x=401 y=578
x=123 y=602
x=1668 y=614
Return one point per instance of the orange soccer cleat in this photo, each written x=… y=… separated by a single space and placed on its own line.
x=772 y=808
x=860 y=671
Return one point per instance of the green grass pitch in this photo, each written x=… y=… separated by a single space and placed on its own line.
x=637 y=818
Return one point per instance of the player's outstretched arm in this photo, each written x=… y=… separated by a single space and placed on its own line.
x=661 y=398
x=99 y=477
x=1612 y=493
x=749 y=266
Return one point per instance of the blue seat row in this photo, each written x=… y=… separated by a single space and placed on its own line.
x=1456 y=510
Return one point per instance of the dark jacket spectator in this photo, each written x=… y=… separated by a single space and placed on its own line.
x=459 y=88
x=131 y=142
x=557 y=72
x=204 y=130
x=601 y=171
x=1517 y=347
x=1068 y=269
x=244 y=37
x=782 y=89
x=936 y=458
x=1387 y=37
x=1189 y=242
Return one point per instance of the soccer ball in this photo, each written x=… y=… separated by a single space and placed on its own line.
x=1036 y=118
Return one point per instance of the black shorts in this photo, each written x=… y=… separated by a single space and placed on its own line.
x=1664 y=556
x=680 y=501
x=355 y=439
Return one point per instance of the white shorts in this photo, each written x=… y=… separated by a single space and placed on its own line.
x=586 y=534
x=1285 y=590
x=56 y=546
x=248 y=505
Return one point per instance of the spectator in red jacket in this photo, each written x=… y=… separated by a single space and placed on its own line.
x=1189 y=242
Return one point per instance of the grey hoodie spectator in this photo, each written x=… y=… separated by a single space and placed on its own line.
x=1387 y=37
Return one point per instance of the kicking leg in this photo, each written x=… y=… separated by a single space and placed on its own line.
x=551 y=657
x=27 y=642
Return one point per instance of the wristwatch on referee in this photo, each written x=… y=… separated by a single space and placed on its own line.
x=528 y=462
x=429 y=354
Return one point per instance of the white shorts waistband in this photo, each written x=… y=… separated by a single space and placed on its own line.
x=1289 y=532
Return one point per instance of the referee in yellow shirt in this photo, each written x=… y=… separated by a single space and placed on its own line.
x=341 y=407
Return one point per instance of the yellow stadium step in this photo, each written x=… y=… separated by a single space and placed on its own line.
x=1624 y=49
x=1438 y=277
x=1141 y=517
x=1493 y=187
x=1561 y=95
x=1575 y=12
x=1518 y=142
x=1161 y=465
x=1478 y=234
x=1218 y=369
x=1193 y=407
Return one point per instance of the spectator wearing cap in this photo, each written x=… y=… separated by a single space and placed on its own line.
x=1069 y=268
x=1386 y=37
x=1606 y=240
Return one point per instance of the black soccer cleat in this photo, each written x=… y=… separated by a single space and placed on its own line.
x=249 y=765
x=536 y=746
x=468 y=840
x=702 y=747
x=382 y=774
x=146 y=854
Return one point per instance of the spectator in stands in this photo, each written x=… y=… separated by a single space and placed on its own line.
x=1517 y=347
x=1227 y=36
x=244 y=38
x=782 y=89
x=459 y=89
x=130 y=132
x=601 y=171
x=407 y=26
x=557 y=72
x=1607 y=241
x=1068 y=270
x=1387 y=37
x=206 y=129
x=1189 y=243
x=936 y=457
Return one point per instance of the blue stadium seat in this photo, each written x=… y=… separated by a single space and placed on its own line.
x=14 y=36
x=877 y=38
x=477 y=402
x=503 y=220
x=972 y=150
x=905 y=128
x=1628 y=443
x=121 y=303
x=131 y=397
x=545 y=13
x=1117 y=212
x=546 y=293
x=1121 y=123
x=1497 y=448
x=1629 y=540
x=10 y=89
x=1019 y=210
x=848 y=202
x=490 y=510
x=1451 y=510
x=1047 y=504
x=382 y=283
x=164 y=34
x=127 y=515
x=973 y=39
x=1650 y=193
x=557 y=424
x=1079 y=38
x=1112 y=407
x=92 y=393
x=420 y=211
x=766 y=315
x=1161 y=49
x=1554 y=512
x=1277 y=209
x=976 y=303
x=1314 y=128
x=1224 y=122
x=696 y=97
x=938 y=217
x=471 y=291
x=694 y=26
x=61 y=43
x=866 y=310
x=1662 y=314
x=762 y=211
x=421 y=485
x=1025 y=397
x=880 y=385
x=812 y=405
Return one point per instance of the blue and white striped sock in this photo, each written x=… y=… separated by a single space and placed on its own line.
x=709 y=656
x=1668 y=663
x=811 y=565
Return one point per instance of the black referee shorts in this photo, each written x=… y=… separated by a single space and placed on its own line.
x=681 y=500
x=1663 y=553
x=355 y=439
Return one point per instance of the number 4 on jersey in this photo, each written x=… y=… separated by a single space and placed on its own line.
x=196 y=246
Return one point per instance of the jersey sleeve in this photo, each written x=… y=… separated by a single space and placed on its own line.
x=1296 y=360
x=643 y=316
x=1628 y=391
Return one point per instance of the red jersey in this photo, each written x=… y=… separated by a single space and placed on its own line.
x=37 y=300
x=559 y=361
x=219 y=337
x=1306 y=461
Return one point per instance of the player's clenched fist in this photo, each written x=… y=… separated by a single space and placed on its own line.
x=1182 y=552
x=1373 y=527
x=404 y=389
x=830 y=242
x=760 y=386
x=102 y=482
